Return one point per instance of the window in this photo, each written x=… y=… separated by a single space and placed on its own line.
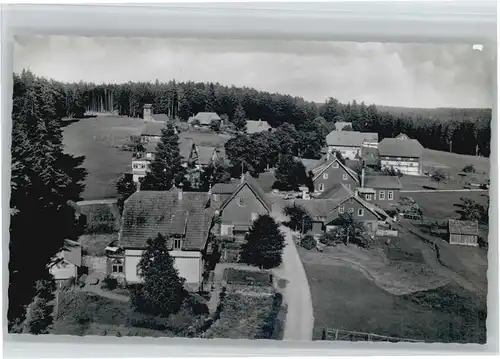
x=344 y=176
x=368 y=196
x=117 y=266
x=325 y=175
x=390 y=195
x=381 y=195
x=177 y=243
x=241 y=202
x=341 y=209
x=351 y=210
x=336 y=165
x=135 y=166
x=321 y=187
x=361 y=212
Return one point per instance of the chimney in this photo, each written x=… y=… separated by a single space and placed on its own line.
x=363 y=177
x=179 y=193
x=328 y=155
x=147 y=112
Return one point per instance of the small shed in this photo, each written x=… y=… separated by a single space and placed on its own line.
x=463 y=232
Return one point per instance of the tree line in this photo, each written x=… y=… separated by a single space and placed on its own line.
x=464 y=131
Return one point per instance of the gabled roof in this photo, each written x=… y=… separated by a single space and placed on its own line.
x=318 y=209
x=147 y=213
x=205 y=118
x=337 y=192
x=185 y=148
x=344 y=194
x=255 y=188
x=153 y=128
x=463 y=227
x=70 y=252
x=394 y=147
x=226 y=188
x=349 y=138
x=205 y=154
x=391 y=182
x=257 y=126
x=318 y=171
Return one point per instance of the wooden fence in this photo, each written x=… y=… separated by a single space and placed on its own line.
x=340 y=334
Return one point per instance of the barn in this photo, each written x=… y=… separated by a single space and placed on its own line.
x=464 y=233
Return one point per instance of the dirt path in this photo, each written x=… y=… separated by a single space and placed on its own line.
x=104 y=293
x=299 y=319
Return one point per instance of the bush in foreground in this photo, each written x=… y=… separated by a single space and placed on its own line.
x=308 y=242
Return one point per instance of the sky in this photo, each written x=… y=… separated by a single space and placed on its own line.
x=394 y=74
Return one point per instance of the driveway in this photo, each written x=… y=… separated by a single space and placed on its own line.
x=299 y=318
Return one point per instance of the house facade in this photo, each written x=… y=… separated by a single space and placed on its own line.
x=185 y=218
x=65 y=265
x=350 y=143
x=328 y=175
x=384 y=191
x=463 y=233
x=402 y=154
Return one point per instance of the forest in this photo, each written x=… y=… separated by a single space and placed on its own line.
x=462 y=131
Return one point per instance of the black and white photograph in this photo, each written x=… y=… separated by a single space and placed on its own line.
x=250 y=189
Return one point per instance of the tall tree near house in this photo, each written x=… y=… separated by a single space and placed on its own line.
x=264 y=244
x=290 y=174
x=243 y=156
x=43 y=180
x=125 y=187
x=166 y=168
x=162 y=290
x=240 y=119
x=214 y=173
x=298 y=218
x=288 y=138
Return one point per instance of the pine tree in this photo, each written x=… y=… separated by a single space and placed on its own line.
x=166 y=168
x=125 y=187
x=39 y=312
x=162 y=290
x=240 y=119
x=264 y=244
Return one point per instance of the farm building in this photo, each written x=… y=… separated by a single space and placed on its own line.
x=204 y=119
x=350 y=143
x=65 y=265
x=384 y=191
x=257 y=126
x=463 y=232
x=185 y=218
x=402 y=154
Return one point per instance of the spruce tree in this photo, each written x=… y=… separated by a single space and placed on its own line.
x=125 y=187
x=290 y=174
x=39 y=312
x=162 y=290
x=44 y=179
x=264 y=244
x=240 y=119
x=166 y=169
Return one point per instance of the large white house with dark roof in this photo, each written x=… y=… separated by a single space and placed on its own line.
x=401 y=153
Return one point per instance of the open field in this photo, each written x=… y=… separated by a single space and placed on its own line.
x=100 y=138
x=344 y=298
x=452 y=162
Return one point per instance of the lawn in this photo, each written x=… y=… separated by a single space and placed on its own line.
x=88 y=314
x=243 y=277
x=343 y=298
x=248 y=317
x=100 y=138
x=452 y=162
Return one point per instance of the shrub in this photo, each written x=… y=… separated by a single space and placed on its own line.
x=110 y=283
x=469 y=169
x=308 y=242
x=269 y=325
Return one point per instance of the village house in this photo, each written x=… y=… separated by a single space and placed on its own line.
x=204 y=119
x=326 y=176
x=384 y=191
x=65 y=266
x=185 y=218
x=319 y=210
x=402 y=154
x=151 y=132
x=257 y=126
x=350 y=143
x=141 y=161
x=238 y=203
x=463 y=233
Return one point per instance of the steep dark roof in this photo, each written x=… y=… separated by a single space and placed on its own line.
x=463 y=227
x=153 y=128
x=148 y=213
x=395 y=147
x=205 y=154
x=337 y=192
x=349 y=138
x=318 y=209
x=205 y=118
x=391 y=182
x=185 y=147
x=318 y=171
x=254 y=187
